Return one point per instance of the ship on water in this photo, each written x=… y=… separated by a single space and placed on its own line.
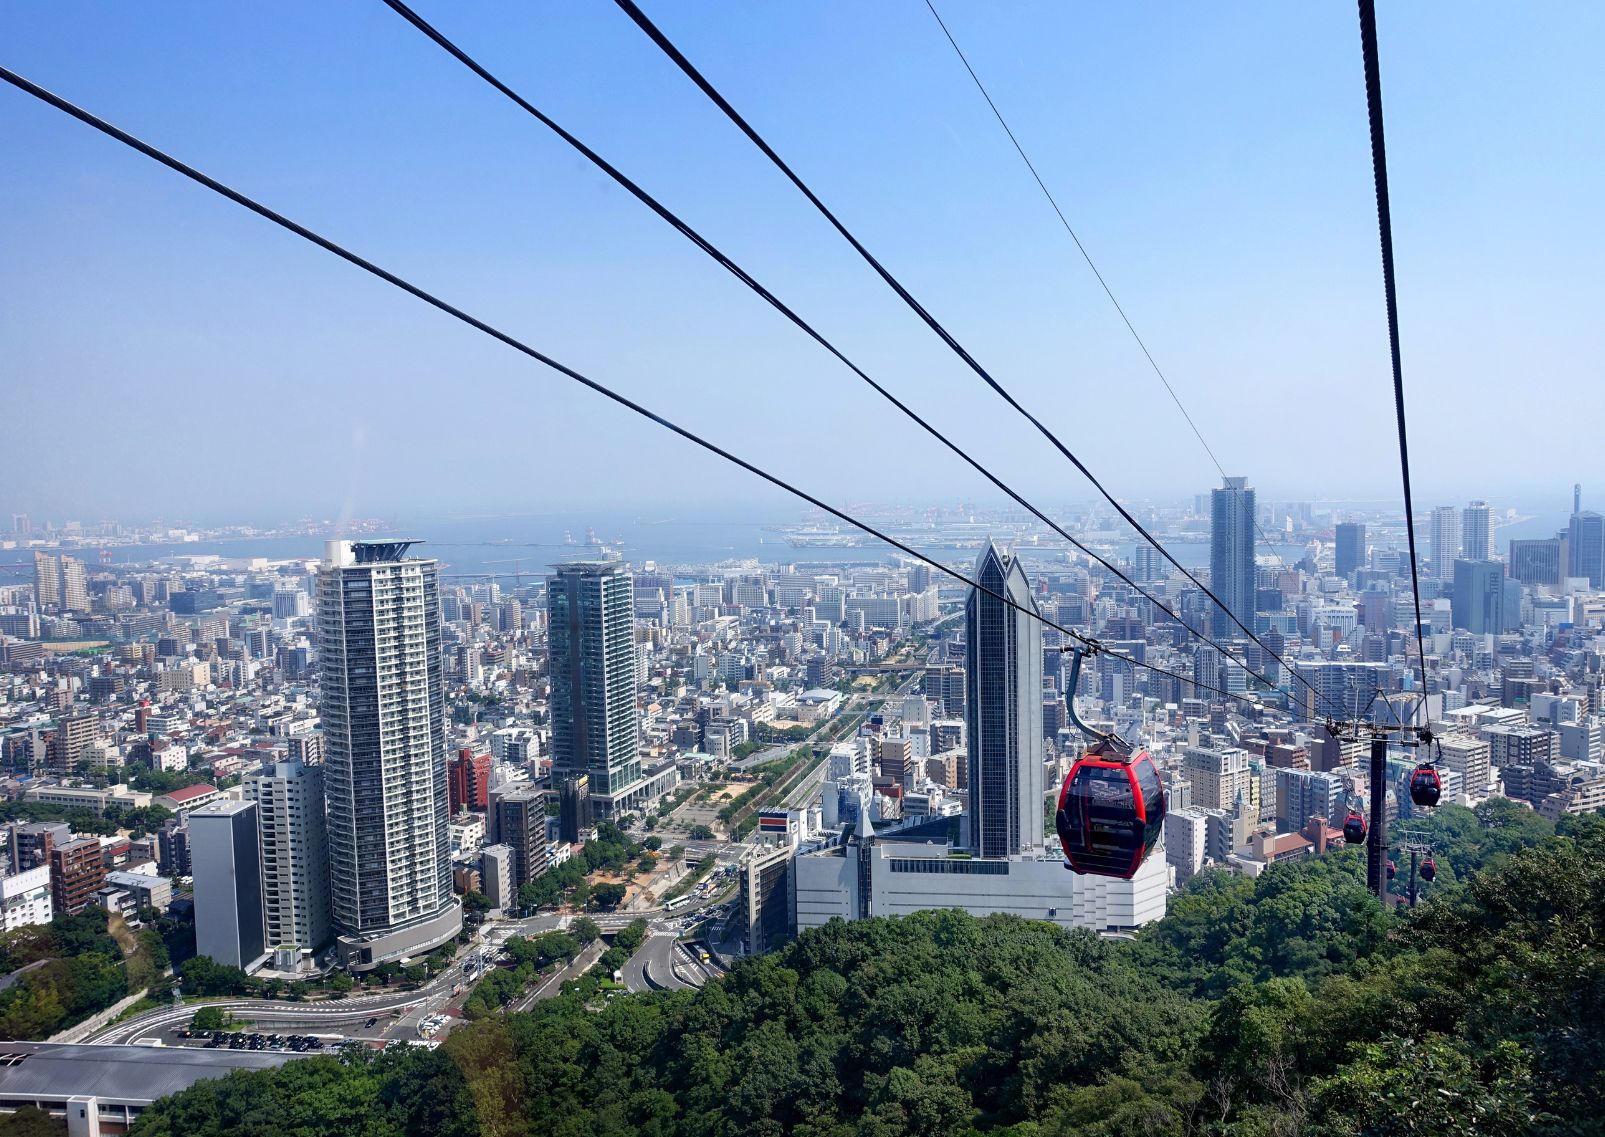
x=956 y=535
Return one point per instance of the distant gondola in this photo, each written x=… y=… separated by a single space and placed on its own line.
x=1426 y=785
x=1354 y=827
x=1393 y=870
x=1111 y=811
x=1429 y=869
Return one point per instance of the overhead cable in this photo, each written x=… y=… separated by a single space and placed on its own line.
x=667 y=46
x=707 y=246
x=1379 y=170
x=88 y=118
x=1085 y=255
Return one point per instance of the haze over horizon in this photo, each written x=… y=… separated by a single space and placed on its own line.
x=1214 y=162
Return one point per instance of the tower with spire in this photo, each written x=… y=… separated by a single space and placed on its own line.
x=1003 y=709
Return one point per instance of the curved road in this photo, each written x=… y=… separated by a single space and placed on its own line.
x=332 y=1011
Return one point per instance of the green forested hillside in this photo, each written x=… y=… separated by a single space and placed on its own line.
x=1291 y=1004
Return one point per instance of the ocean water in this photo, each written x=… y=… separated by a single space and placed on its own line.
x=527 y=545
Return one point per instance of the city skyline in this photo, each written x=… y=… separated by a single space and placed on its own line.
x=926 y=567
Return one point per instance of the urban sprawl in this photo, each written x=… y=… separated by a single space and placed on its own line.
x=358 y=798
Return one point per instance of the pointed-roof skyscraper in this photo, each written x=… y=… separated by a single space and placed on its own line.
x=1003 y=709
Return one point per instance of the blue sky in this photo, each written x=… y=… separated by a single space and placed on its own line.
x=162 y=352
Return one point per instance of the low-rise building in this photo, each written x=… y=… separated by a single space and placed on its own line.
x=189 y=798
x=496 y=875
x=25 y=898
x=76 y=874
x=88 y=797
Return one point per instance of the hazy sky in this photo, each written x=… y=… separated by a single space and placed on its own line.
x=164 y=352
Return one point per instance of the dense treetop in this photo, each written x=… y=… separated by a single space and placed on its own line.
x=1284 y=1005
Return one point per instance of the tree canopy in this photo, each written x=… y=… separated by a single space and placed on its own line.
x=1288 y=1004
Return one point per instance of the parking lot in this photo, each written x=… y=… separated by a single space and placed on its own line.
x=246 y=1040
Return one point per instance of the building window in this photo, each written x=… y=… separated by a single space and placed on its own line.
x=957 y=865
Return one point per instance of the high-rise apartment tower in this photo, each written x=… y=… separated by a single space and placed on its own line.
x=384 y=753
x=1231 y=554
x=591 y=638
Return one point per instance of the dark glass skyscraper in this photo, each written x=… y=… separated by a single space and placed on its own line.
x=1003 y=710
x=1485 y=601
x=1231 y=555
x=1585 y=545
x=591 y=639
x=384 y=731
x=1350 y=552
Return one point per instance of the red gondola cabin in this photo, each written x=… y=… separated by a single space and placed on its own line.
x=1111 y=811
x=1426 y=786
x=1429 y=869
x=1354 y=827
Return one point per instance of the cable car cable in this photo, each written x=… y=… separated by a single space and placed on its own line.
x=707 y=246
x=641 y=20
x=1379 y=170
x=1086 y=256
x=89 y=119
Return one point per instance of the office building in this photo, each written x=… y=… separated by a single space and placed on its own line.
x=1003 y=710
x=1539 y=562
x=71 y=743
x=766 y=899
x=1147 y=565
x=1468 y=756
x=1445 y=542
x=1519 y=744
x=1219 y=775
x=76 y=873
x=1485 y=601
x=384 y=753
x=573 y=807
x=1477 y=532
x=468 y=782
x=1585 y=546
x=496 y=876
x=1231 y=555
x=142 y=889
x=513 y=745
x=289 y=604
x=897 y=878
x=1583 y=741
x=591 y=639
x=230 y=923
x=306 y=749
x=1303 y=794
x=1186 y=842
x=172 y=848
x=295 y=854
x=1350 y=550
x=521 y=826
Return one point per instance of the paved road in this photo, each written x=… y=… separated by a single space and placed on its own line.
x=353 y=1009
x=553 y=985
x=318 y=1016
x=808 y=789
x=21 y=971
x=661 y=964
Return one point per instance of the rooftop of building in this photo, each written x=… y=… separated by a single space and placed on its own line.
x=136 y=1074
x=190 y=793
